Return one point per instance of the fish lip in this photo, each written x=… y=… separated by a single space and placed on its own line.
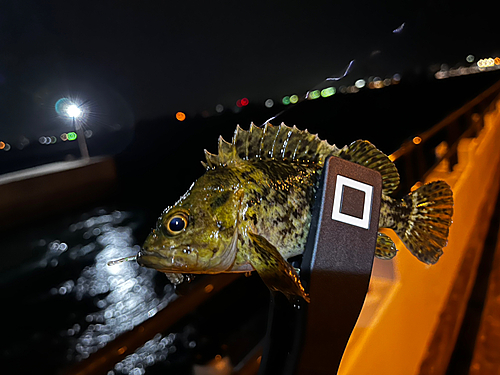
x=146 y=258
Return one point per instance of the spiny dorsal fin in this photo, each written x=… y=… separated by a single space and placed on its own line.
x=271 y=142
x=291 y=144
x=367 y=155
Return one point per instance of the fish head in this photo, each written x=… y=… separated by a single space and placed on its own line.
x=197 y=235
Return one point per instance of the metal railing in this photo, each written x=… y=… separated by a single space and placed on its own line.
x=417 y=158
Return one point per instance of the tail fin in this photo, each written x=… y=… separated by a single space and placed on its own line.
x=428 y=225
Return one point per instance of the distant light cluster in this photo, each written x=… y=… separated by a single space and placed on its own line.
x=50 y=140
x=482 y=65
x=370 y=83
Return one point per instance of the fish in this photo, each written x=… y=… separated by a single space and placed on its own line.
x=251 y=209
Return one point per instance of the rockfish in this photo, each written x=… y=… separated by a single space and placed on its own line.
x=251 y=210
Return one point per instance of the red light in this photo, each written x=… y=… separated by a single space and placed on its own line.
x=242 y=102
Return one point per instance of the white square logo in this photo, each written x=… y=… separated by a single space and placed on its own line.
x=337 y=215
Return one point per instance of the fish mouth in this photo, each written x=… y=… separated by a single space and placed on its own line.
x=180 y=264
x=149 y=259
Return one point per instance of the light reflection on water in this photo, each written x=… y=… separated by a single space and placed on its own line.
x=63 y=302
x=123 y=294
x=154 y=350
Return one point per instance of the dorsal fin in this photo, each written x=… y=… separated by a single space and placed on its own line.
x=367 y=155
x=291 y=144
x=274 y=142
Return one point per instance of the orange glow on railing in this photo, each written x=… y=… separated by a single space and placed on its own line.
x=209 y=288
x=122 y=350
x=416 y=186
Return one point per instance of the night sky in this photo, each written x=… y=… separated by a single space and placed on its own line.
x=148 y=59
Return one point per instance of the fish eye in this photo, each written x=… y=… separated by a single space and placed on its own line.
x=177 y=223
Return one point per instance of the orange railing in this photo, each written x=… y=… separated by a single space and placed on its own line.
x=417 y=158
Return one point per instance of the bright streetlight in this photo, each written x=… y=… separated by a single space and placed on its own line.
x=76 y=112
x=73 y=111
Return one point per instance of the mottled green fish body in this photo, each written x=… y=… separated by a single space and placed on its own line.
x=251 y=210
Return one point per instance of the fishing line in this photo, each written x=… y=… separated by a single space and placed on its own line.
x=121 y=260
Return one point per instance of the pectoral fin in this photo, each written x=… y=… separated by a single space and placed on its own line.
x=385 y=247
x=275 y=271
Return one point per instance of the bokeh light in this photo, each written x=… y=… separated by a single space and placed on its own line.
x=378 y=83
x=286 y=100
x=314 y=94
x=360 y=83
x=242 y=102
x=181 y=116
x=294 y=99
x=329 y=91
x=219 y=108
x=269 y=103
x=71 y=136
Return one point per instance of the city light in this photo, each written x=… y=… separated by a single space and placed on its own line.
x=486 y=63
x=329 y=91
x=482 y=65
x=72 y=136
x=269 y=103
x=360 y=83
x=314 y=94
x=4 y=146
x=181 y=116
x=378 y=83
x=242 y=102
